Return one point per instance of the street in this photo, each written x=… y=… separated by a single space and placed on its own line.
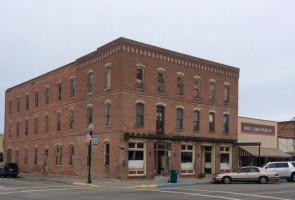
x=22 y=188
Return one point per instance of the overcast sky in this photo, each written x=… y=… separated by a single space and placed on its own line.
x=256 y=36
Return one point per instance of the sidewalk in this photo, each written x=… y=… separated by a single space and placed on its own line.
x=159 y=181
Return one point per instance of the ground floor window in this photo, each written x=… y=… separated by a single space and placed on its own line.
x=225 y=158
x=9 y=155
x=58 y=151
x=136 y=158
x=187 y=158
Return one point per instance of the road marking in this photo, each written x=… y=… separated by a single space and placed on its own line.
x=60 y=189
x=17 y=188
x=242 y=194
x=193 y=194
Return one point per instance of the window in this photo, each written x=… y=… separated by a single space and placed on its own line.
x=27 y=101
x=282 y=165
x=90 y=82
x=187 y=155
x=161 y=82
x=211 y=122
x=36 y=125
x=58 y=151
x=179 y=85
x=36 y=99
x=108 y=77
x=47 y=95
x=179 y=118
x=212 y=90
x=71 y=119
x=46 y=124
x=226 y=123
x=245 y=170
x=26 y=156
x=26 y=127
x=72 y=88
x=136 y=155
x=226 y=93
x=58 y=125
x=71 y=153
x=9 y=130
x=108 y=115
x=10 y=106
x=140 y=78
x=17 y=128
x=17 y=156
x=35 y=156
x=59 y=92
x=254 y=170
x=89 y=115
x=18 y=104
x=9 y=153
x=225 y=158
x=197 y=88
x=196 y=120
x=106 y=154
x=139 y=114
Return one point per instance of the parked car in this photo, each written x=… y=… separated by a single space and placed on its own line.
x=250 y=173
x=8 y=169
x=285 y=169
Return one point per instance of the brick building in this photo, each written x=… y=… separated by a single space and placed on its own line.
x=286 y=137
x=151 y=108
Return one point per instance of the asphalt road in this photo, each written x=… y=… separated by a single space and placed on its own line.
x=22 y=188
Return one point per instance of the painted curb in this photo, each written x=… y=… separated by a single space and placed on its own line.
x=85 y=184
x=165 y=185
x=145 y=186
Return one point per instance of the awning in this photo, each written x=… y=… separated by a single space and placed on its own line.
x=266 y=152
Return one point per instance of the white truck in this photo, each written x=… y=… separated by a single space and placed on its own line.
x=285 y=169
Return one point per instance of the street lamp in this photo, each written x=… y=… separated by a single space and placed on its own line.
x=90 y=128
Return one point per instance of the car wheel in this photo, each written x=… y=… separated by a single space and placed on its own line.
x=14 y=176
x=226 y=180
x=263 y=180
x=292 y=177
x=289 y=180
x=5 y=176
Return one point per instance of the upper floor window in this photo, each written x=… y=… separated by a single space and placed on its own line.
x=36 y=99
x=27 y=101
x=90 y=82
x=179 y=118
x=46 y=124
x=71 y=119
x=226 y=123
x=212 y=90
x=72 y=88
x=108 y=77
x=106 y=154
x=108 y=114
x=140 y=78
x=139 y=114
x=9 y=130
x=36 y=125
x=47 y=95
x=197 y=88
x=18 y=104
x=10 y=106
x=59 y=92
x=89 y=115
x=211 y=122
x=26 y=156
x=196 y=120
x=26 y=127
x=35 y=156
x=9 y=154
x=17 y=128
x=71 y=154
x=58 y=125
x=179 y=84
x=58 y=154
x=161 y=82
x=226 y=93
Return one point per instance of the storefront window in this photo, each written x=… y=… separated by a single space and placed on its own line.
x=136 y=155
x=187 y=155
x=225 y=158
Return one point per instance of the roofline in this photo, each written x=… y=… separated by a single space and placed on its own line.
x=257 y=119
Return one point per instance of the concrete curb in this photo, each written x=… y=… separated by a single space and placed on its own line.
x=165 y=185
x=86 y=184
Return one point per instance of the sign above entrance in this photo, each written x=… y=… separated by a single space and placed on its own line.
x=257 y=129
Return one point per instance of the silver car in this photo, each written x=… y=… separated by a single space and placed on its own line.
x=285 y=169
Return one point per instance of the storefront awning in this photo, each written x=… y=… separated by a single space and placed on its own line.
x=266 y=152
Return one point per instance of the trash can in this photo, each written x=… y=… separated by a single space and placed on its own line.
x=173 y=175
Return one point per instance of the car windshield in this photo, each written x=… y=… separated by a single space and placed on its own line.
x=264 y=165
x=236 y=170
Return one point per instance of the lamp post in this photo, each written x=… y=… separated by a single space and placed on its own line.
x=90 y=128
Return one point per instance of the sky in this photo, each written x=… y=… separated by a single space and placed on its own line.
x=256 y=36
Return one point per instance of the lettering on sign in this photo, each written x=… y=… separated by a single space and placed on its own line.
x=257 y=129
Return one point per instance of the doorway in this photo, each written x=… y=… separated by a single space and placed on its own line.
x=161 y=164
x=160 y=119
x=207 y=160
x=46 y=161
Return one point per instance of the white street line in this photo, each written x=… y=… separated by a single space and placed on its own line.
x=17 y=188
x=27 y=191
x=242 y=194
x=192 y=194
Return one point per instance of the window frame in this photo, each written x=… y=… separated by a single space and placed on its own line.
x=108 y=114
x=212 y=90
x=161 y=82
x=196 y=124
x=226 y=93
x=139 y=115
x=10 y=107
x=47 y=95
x=90 y=82
x=59 y=88
x=212 y=123
x=72 y=119
x=140 y=79
x=106 y=154
x=26 y=127
x=27 y=101
x=226 y=123
x=58 y=155
x=197 y=91
x=108 y=76
x=46 y=123
x=180 y=84
x=17 y=128
x=18 y=104
x=179 y=118
x=89 y=115
x=72 y=88
x=36 y=99
x=71 y=154
x=35 y=155
x=36 y=125
x=58 y=122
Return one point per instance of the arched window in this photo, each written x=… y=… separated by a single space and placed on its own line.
x=10 y=106
x=106 y=154
x=46 y=124
x=9 y=153
x=179 y=85
x=140 y=78
x=139 y=114
x=18 y=104
x=36 y=99
x=59 y=92
x=179 y=118
x=71 y=154
x=17 y=128
x=196 y=120
x=212 y=90
x=9 y=130
x=36 y=125
x=26 y=156
x=90 y=82
x=47 y=95
x=197 y=88
x=58 y=154
x=72 y=88
x=71 y=119
x=89 y=115
x=26 y=127
x=226 y=123
x=58 y=125
x=108 y=114
x=161 y=81
x=108 y=77
x=211 y=122
x=27 y=101
x=226 y=93
x=35 y=156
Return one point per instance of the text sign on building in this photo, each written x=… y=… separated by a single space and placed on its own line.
x=257 y=129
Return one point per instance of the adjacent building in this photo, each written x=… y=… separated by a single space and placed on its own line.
x=286 y=137
x=258 y=142
x=1 y=147
x=152 y=109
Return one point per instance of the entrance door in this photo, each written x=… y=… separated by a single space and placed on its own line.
x=160 y=119
x=46 y=161
x=207 y=160
x=161 y=162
